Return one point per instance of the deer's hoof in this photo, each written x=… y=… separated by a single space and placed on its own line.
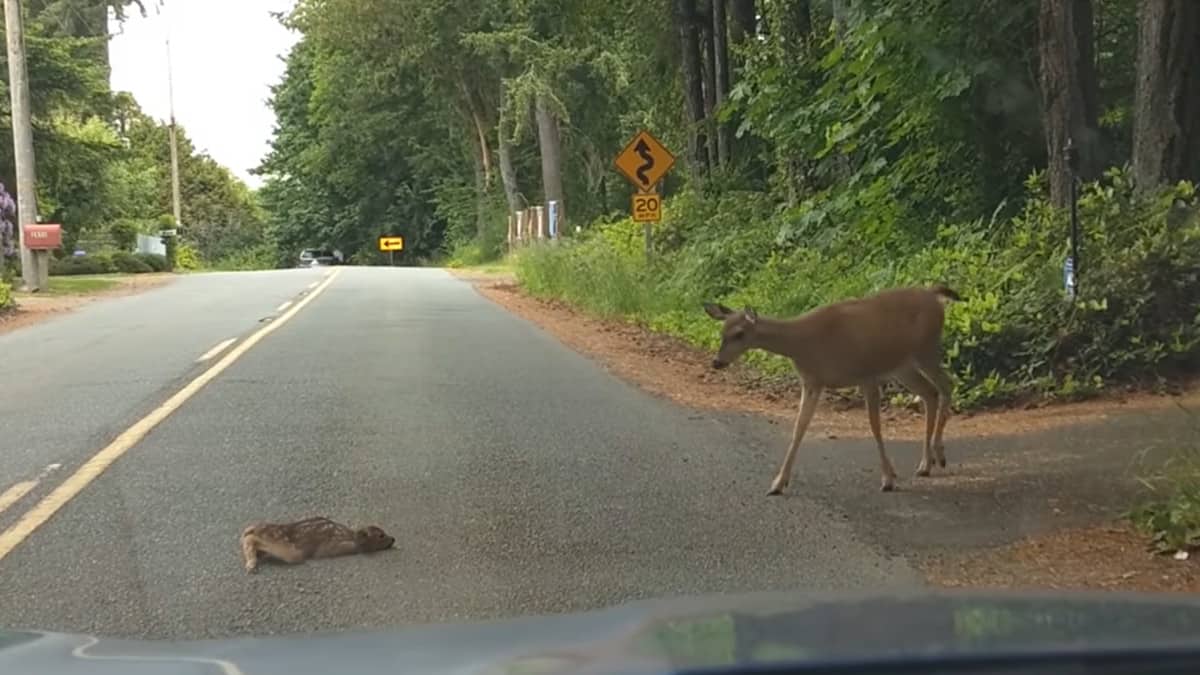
x=923 y=471
x=888 y=486
x=942 y=462
x=776 y=488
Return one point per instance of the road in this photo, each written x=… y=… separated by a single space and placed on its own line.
x=518 y=476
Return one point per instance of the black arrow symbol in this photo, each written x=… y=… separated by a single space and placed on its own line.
x=643 y=151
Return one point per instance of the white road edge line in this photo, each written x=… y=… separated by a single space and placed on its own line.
x=283 y=306
x=310 y=286
x=217 y=349
x=41 y=512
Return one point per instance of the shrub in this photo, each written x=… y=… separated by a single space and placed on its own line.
x=187 y=257
x=1014 y=335
x=261 y=257
x=155 y=261
x=1171 y=515
x=6 y=296
x=85 y=264
x=128 y=263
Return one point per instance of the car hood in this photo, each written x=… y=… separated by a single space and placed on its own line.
x=663 y=636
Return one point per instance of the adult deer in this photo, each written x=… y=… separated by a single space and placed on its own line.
x=895 y=334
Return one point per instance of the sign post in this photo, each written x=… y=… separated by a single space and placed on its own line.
x=390 y=245
x=644 y=162
x=40 y=239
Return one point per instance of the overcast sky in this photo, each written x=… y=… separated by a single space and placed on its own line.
x=226 y=55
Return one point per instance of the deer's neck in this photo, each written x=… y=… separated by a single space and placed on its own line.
x=782 y=337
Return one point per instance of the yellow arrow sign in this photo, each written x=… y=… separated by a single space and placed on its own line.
x=644 y=161
x=391 y=243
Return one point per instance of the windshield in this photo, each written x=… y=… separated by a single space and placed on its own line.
x=330 y=315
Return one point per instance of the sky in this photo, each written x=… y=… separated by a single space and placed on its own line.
x=225 y=56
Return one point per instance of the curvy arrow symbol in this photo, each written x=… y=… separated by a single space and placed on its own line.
x=643 y=151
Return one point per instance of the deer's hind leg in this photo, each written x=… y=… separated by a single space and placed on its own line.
x=931 y=367
x=930 y=400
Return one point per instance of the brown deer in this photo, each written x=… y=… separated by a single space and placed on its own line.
x=862 y=342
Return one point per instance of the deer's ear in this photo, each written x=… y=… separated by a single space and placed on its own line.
x=751 y=315
x=717 y=311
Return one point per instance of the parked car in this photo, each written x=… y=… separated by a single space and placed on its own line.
x=316 y=257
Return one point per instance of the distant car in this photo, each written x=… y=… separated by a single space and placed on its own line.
x=316 y=257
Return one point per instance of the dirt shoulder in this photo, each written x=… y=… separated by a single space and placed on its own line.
x=1034 y=505
x=36 y=307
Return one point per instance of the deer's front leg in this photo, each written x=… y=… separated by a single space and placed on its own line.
x=809 y=396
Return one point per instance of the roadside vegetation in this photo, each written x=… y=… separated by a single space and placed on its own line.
x=103 y=165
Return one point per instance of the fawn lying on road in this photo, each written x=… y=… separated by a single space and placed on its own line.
x=860 y=342
x=317 y=537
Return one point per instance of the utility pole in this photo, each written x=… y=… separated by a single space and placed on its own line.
x=176 y=207
x=18 y=76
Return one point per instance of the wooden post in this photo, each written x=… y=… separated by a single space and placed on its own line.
x=539 y=222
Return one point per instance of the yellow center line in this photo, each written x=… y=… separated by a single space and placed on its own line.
x=92 y=468
x=14 y=494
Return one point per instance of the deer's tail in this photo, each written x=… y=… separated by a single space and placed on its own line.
x=945 y=292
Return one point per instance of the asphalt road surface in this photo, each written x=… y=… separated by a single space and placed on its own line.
x=518 y=476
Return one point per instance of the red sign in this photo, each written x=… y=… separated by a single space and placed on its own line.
x=41 y=237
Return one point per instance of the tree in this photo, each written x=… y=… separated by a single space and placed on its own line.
x=720 y=51
x=1069 y=91
x=1166 y=133
x=693 y=87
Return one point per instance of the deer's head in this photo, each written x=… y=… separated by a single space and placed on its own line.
x=737 y=332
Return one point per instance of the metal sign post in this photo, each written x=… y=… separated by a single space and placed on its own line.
x=1071 y=266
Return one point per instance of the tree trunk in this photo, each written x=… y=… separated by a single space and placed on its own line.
x=1069 y=92
x=841 y=11
x=693 y=89
x=710 y=89
x=745 y=21
x=1166 y=118
x=508 y=172
x=721 y=68
x=481 y=126
x=550 y=144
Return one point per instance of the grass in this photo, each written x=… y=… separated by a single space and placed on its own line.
x=1171 y=514
x=83 y=284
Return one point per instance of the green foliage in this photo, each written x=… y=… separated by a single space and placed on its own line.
x=85 y=264
x=128 y=263
x=6 y=296
x=1014 y=335
x=155 y=261
x=1171 y=514
x=187 y=258
x=260 y=257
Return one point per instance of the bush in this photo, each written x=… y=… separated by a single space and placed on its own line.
x=6 y=296
x=155 y=261
x=1014 y=335
x=128 y=263
x=84 y=264
x=469 y=254
x=1171 y=516
x=187 y=257
x=261 y=257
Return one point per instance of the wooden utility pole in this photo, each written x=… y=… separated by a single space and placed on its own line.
x=176 y=206
x=32 y=274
